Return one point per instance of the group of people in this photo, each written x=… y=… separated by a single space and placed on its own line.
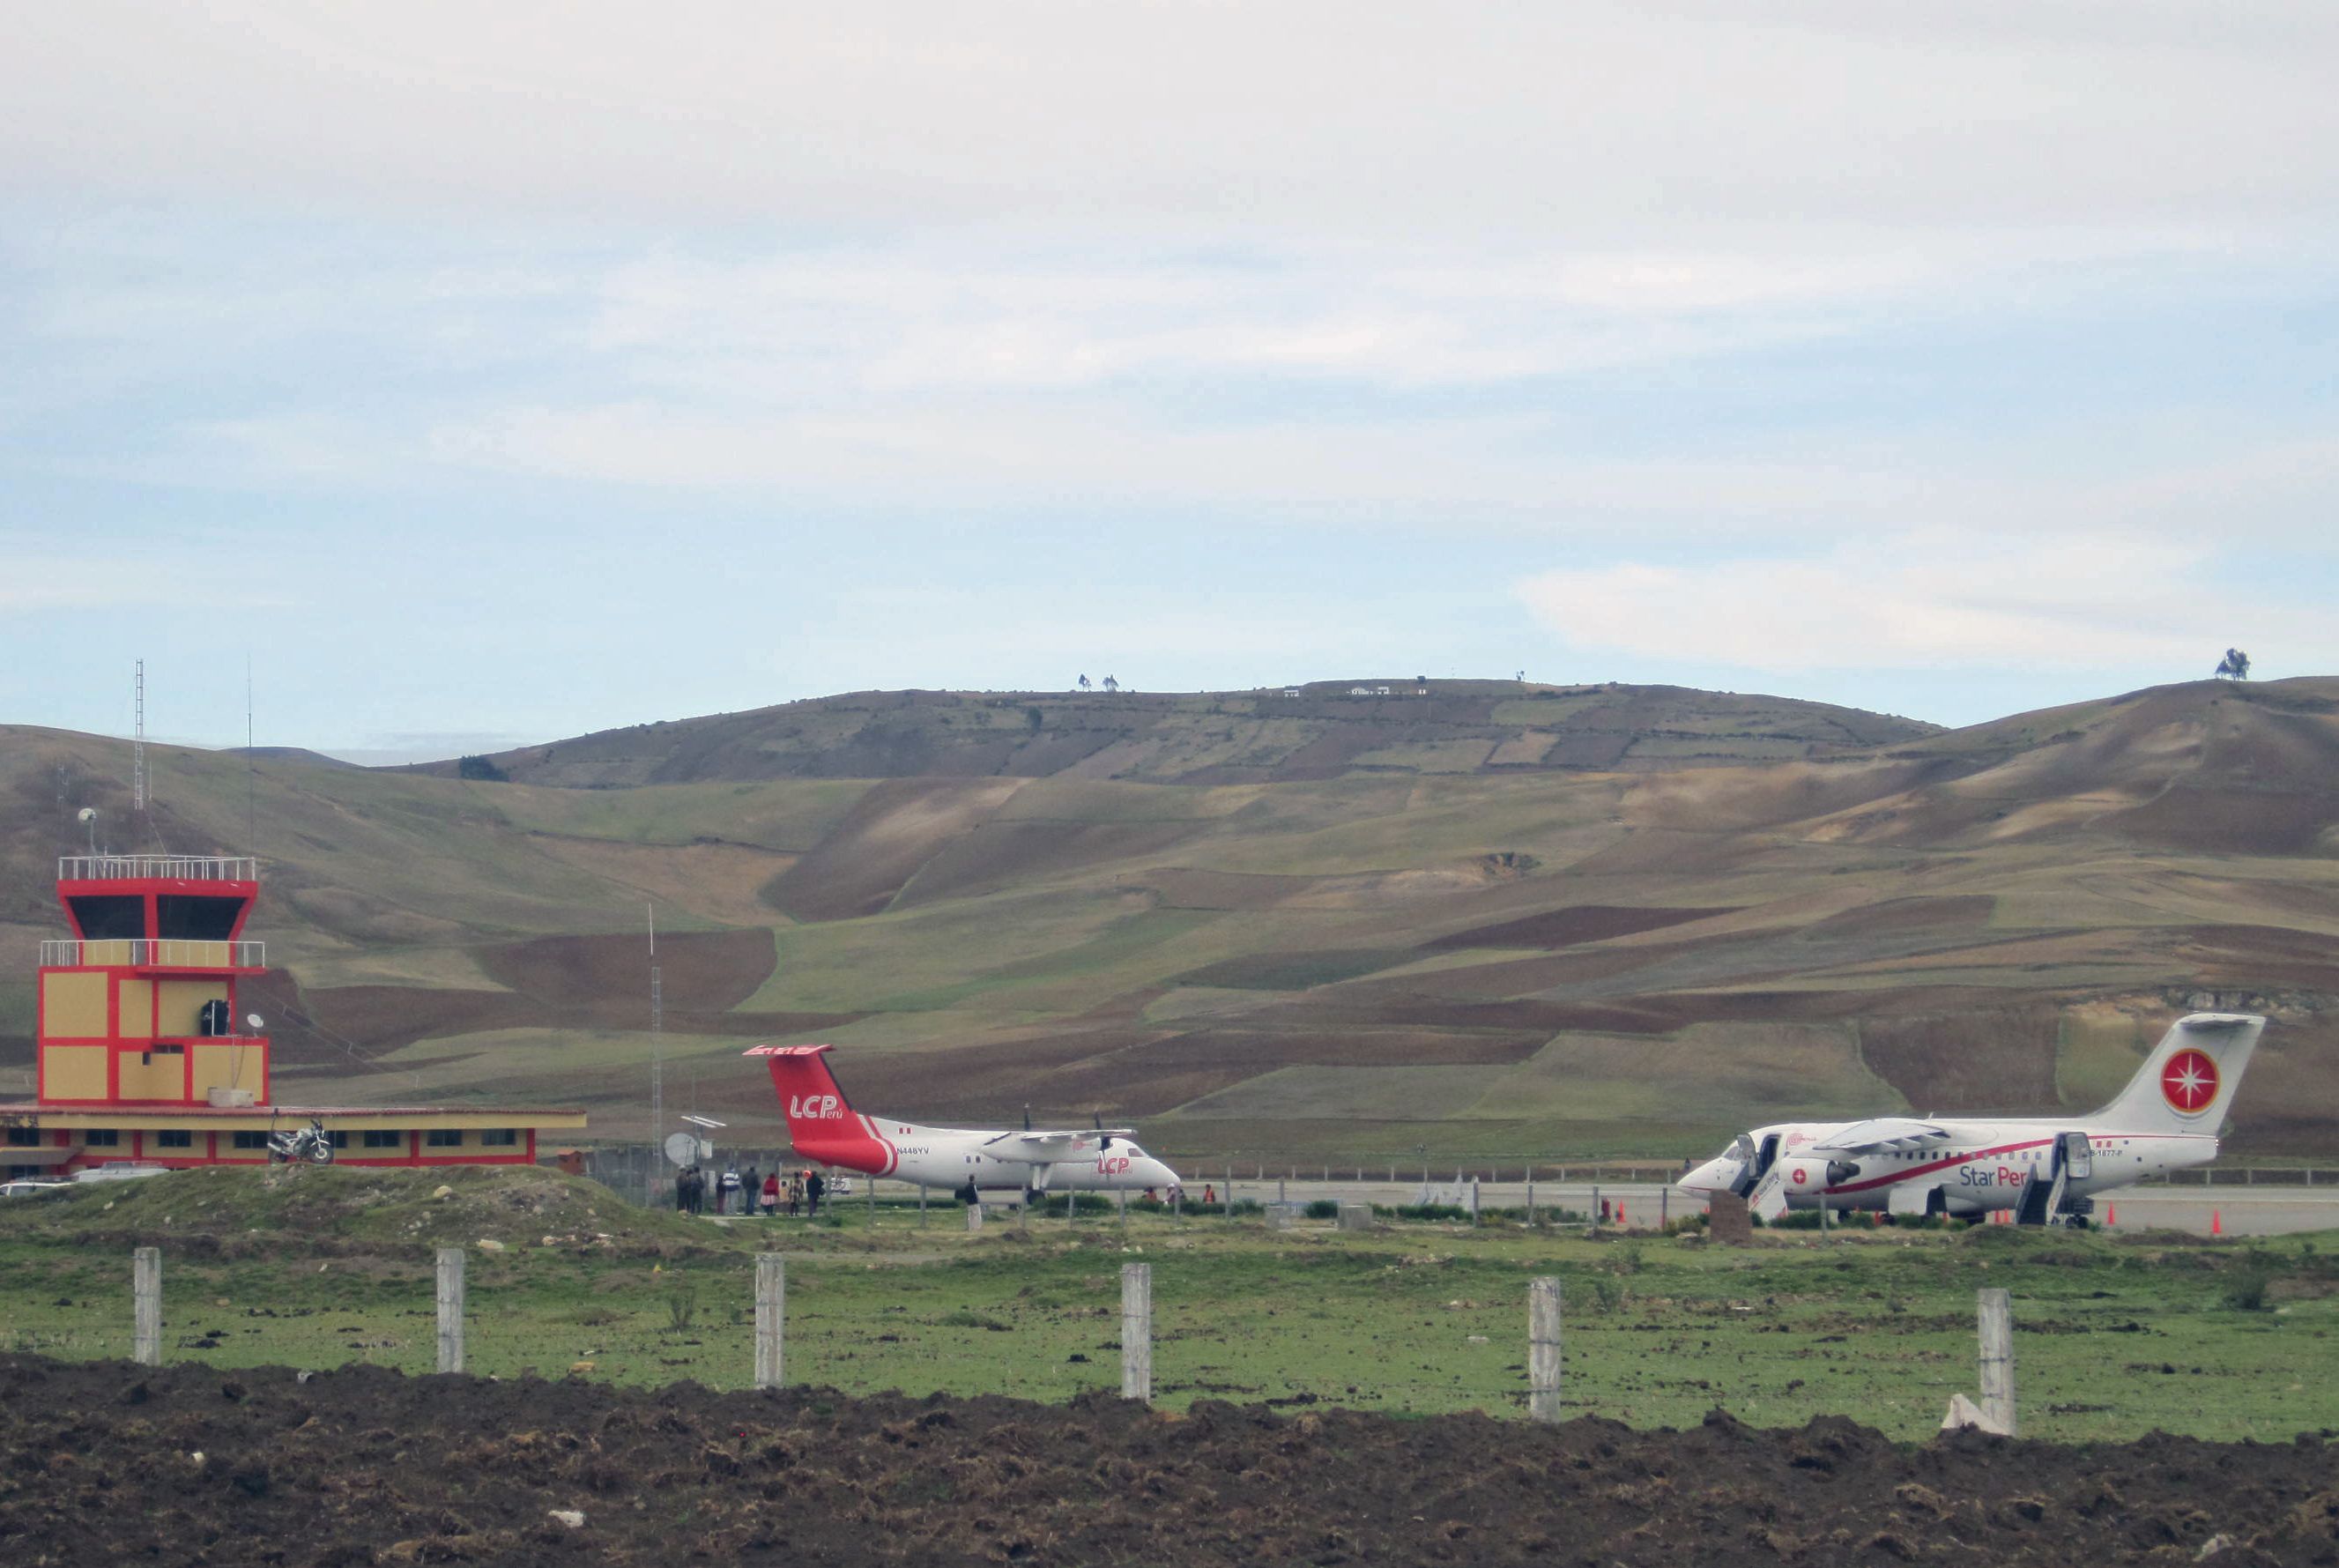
x=752 y=1193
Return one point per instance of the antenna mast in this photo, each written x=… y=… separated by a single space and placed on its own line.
x=251 y=768
x=138 y=745
x=657 y=1060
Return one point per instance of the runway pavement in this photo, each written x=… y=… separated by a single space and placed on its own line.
x=2231 y=1210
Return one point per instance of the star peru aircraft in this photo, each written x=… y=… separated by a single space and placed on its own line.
x=827 y=1130
x=2048 y=1169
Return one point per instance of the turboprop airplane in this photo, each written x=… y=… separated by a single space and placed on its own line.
x=827 y=1130
x=2046 y=1169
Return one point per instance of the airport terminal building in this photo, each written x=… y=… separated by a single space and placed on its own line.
x=144 y=1056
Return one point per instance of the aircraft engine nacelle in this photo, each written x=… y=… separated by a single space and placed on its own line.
x=1804 y=1177
x=1840 y=1171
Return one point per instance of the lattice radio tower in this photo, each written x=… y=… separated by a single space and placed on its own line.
x=138 y=745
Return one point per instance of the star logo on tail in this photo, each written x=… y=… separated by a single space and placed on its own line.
x=2189 y=1082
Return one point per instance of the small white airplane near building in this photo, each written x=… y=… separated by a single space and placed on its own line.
x=826 y=1129
x=2046 y=1169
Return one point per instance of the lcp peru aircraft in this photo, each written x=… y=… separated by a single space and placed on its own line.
x=827 y=1130
x=2046 y=1169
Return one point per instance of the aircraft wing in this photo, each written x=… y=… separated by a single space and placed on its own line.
x=1044 y=1146
x=1899 y=1134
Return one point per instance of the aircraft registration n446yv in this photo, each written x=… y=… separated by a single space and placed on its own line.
x=2048 y=1169
x=969 y=1161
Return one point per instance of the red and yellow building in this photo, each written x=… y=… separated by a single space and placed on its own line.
x=144 y=1053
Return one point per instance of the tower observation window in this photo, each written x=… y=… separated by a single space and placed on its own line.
x=110 y=917
x=196 y=918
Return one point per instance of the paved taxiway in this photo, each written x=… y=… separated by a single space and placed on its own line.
x=2237 y=1210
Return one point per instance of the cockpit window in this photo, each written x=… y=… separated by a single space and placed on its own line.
x=1741 y=1151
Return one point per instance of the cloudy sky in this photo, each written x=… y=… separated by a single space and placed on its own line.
x=492 y=373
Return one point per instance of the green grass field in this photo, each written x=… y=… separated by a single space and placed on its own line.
x=2114 y=1337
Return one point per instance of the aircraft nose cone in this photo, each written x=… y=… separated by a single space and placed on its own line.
x=1158 y=1174
x=1706 y=1180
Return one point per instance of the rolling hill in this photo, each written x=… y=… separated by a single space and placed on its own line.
x=1484 y=918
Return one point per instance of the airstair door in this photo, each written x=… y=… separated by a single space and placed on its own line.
x=2077 y=1153
x=1759 y=1166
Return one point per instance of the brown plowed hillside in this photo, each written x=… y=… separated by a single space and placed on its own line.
x=1229 y=914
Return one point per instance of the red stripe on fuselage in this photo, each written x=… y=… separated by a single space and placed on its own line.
x=1875 y=1183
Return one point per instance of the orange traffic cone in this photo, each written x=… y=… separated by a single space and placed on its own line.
x=2216 y=1223
x=1620 y=1211
x=2111 y=1215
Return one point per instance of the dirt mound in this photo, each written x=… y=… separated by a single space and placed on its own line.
x=274 y=1210
x=112 y=1462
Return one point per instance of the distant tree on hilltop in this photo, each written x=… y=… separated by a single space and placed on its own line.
x=2234 y=667
x=1084 y=683
x=1111 y=685
x=481 y=768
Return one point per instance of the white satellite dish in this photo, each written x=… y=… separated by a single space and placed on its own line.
x=681 y=1148
x=251 y=1020
x=88 y=814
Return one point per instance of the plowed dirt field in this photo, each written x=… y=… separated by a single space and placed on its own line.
x=107 y=1462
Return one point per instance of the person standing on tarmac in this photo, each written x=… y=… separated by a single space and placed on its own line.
x=772 y=1193
x=727 y=1190
x=814 y=1185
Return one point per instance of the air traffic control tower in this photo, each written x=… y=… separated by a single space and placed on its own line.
x=145 y=1055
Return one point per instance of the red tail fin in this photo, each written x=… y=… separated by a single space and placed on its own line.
x=821 y=1125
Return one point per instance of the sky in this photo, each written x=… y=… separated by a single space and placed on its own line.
x=479 y=375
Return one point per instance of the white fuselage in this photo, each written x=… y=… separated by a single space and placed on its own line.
x=1983 y=1165
x=992 y=1161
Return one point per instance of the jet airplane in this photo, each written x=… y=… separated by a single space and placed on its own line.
x=826 y=1129
x=2048 y=1169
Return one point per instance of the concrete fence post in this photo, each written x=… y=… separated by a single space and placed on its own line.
x=450 y=1309
x=1997 y=1315
x=1227 y=1196
x=1137 y=1332
x=922 y=1206
x=973 y=1217
x=1543 y=1350
x=1531 y=1200
x=771 y=1318
x=147 y=1305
